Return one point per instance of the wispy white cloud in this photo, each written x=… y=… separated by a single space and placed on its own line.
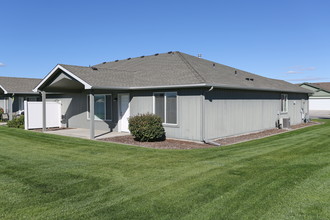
x=293 y=72
x=309 y=68
x=2 y=64
x=299 y=69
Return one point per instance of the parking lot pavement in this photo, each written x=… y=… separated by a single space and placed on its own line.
x=319 y=114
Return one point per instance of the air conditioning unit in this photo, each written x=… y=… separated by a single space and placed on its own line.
x=285 y=122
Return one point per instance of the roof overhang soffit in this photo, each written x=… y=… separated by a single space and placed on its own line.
x=52 y=73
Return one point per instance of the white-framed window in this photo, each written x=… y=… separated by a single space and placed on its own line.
x=102 y=107
x=284 y=103
x=165 y=106
x=20 y=103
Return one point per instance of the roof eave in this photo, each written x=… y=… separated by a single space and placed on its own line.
x=3 y=89
x=195 y=86
x=151 y=87
x=23 y=93
x=253 y=88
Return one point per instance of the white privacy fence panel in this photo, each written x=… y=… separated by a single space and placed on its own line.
x=33 y=114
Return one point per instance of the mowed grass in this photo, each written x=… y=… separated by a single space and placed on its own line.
x=52 y=177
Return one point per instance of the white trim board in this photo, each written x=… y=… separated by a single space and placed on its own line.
x=5 y=91
x=311 y=97
x=58 y=66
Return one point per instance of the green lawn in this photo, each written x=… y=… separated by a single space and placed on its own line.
x=51 y=177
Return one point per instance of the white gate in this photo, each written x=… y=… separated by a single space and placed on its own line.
x=33 y=114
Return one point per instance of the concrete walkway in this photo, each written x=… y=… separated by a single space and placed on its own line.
x=3 y=123
x=84 y=133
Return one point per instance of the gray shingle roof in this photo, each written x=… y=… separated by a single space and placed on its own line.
x=18 y=85
x=321 y=85
x=174 y=69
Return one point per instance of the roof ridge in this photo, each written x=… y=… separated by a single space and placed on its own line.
x=129 y=71
x=104 y=68
x=19 y=77
x=193 y=70
x=132 y=58
x=231 y=67
x=316 y=86
x=71 y=65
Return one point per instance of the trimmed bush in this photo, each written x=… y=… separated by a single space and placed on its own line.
x=17 y=122
x=146 y=127
x=1 y=112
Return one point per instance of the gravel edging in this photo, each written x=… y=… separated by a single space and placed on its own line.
x=180 y=144
x=261 y=134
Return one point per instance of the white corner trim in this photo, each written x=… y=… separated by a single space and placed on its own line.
x=5 y=91
x=58 y=66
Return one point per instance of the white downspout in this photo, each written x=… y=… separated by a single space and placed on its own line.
x=203 y=120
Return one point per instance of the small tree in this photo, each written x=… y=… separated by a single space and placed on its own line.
x=146 y=127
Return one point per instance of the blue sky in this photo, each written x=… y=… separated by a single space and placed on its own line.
x=283 y=39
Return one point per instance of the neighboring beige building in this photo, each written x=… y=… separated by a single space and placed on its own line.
x=320 y=99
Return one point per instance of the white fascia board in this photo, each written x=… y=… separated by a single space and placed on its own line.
x=194 y=86
x=58 y=66
x=4 y=91
x=320 y=97
x=25 y=93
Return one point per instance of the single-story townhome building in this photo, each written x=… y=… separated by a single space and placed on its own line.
x=14 y=91
x=197 y=99
x=320 y=99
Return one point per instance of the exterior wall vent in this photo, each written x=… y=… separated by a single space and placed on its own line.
x=285 y=122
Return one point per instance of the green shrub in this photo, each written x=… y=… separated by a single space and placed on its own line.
x=146 y=127
x=17 y=122
x=1 y=112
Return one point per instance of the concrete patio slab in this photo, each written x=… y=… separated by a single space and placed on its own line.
x=3 y=123
x=84 y=133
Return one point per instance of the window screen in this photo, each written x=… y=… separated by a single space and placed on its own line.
x=166 y=106
x=102 y=107
x=160 y=105
x=171 y=108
